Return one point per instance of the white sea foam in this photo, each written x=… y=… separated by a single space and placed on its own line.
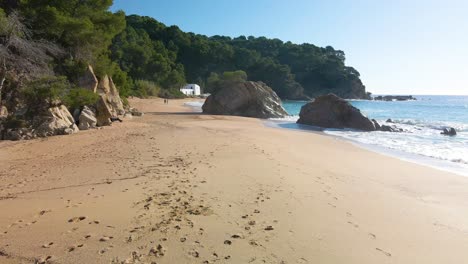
x=420 y=139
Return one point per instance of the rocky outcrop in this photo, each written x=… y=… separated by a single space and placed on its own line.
x=55 y=121
x=250 y=99
x=395 y=98
x=449 y=131
x=88 y=80
x=331 y=111
x=110 y=102
x=103 y=112
x=18 y=134
x=376 y=124
x=87 y=119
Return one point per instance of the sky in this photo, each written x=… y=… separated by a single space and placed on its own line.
x=398 y=46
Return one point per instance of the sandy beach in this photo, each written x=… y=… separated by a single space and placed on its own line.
x=179 y=187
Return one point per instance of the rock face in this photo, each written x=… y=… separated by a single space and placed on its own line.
x=87 y=119
x=103 y=112
x=55 y=121
x=250 y=99
x=88 y=80
x=449 y=131
x=109 y=104
x=330 y=111
x=376 y=124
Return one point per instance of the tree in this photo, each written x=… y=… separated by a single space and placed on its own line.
x=168 y=56
x=20 y=55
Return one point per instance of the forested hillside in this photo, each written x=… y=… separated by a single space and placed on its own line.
x=59 y=39
x=148 y=49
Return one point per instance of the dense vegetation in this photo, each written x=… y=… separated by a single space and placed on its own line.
x=148 y=49
x=52 y=41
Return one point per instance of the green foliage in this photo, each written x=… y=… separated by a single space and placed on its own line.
x=85 y=28
x=3 y=20
x=45 y=92
x=215 y=82
x=79 y=97
x=149 y=50
x=234 y=76
x=14 y=122
x=172 y=93
x=144 y=89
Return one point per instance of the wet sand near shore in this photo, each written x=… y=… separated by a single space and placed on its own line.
x=181 y=187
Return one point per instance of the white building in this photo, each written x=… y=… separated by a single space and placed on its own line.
x=191 y=89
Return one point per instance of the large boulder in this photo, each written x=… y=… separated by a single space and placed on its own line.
x=250 y=99
x=110 y=101
x=115 y=99
x=55 y=121
x=331 y=111
x=110 y=104
x=108 y=89
x=88 y=80
x=104 y=112
x=87 y=119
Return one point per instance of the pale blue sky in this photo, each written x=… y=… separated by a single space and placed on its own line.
x=398 y=46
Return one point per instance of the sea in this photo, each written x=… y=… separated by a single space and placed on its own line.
x=422 y=120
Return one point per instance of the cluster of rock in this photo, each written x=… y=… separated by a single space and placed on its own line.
x=331 y=111
x=245 y=98
x=394 y=98
x=57 y=120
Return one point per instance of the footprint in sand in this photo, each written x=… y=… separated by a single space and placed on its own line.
x=76 y=219
x=44 y=260
x=353 y=224
x=48 y=245
x=384 y=252
x=105 y=238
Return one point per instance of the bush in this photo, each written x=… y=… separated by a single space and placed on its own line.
x=216 y=82
x=79 y=97
x=14 y=122
x=44 y=92
x=171 y=94
x=146 y=89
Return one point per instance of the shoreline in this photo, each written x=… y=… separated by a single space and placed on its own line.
x=431 y=162
x=179 y=187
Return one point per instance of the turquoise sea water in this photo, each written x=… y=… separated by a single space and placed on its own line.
x=422 y=119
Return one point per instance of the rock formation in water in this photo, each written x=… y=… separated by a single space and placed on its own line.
x=394 y=98
x=245 y=98
x=449 y=131
x=331 y=111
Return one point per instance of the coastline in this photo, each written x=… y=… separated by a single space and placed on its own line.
x=430 y=162
x=179 y=187
x=290 y=124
